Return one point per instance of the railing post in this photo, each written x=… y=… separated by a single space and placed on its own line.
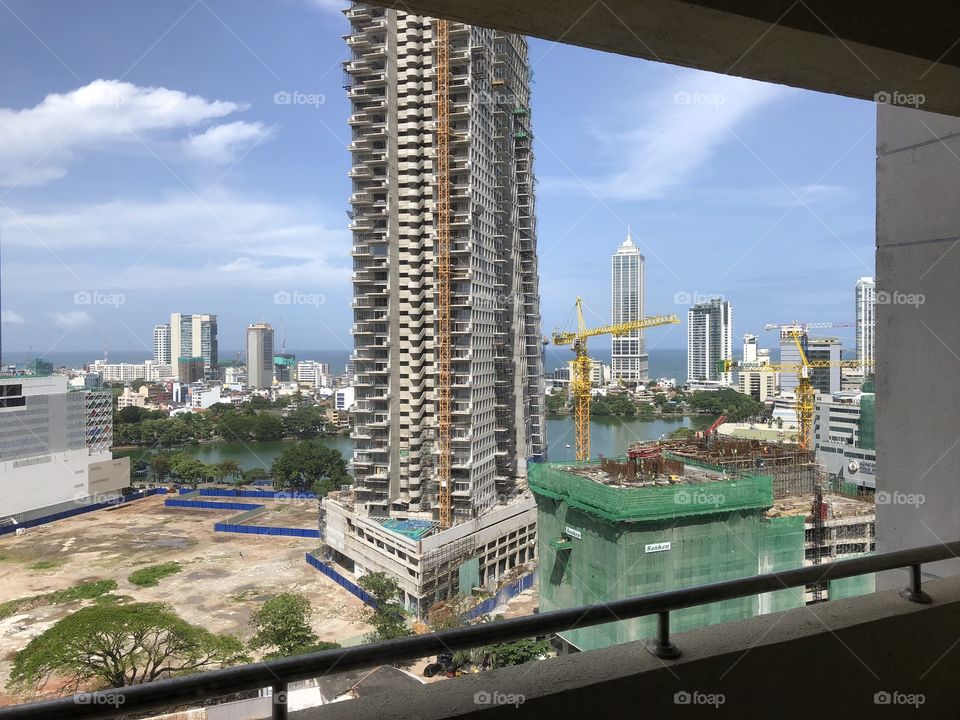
x=915 y=592
x=661 y=645
x=279 y=697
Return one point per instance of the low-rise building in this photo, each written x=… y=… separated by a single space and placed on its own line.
x=313 y=374
x=843 y=436
x=55 y=448
x=431 y=564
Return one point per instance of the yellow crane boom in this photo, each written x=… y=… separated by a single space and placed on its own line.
x=806 y=396
x=580 y=381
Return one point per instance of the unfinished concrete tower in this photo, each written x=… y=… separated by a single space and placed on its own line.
x=496 y=370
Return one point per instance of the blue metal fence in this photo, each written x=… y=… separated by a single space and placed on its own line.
x=503 y=594
x=81 y=510
x=340 y=580
x=266 y=530
x=263 y=494
x=208 y=505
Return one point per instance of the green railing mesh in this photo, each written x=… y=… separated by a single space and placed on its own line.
x=650 y=504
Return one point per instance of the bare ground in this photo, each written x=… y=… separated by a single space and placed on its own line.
x=225 y=578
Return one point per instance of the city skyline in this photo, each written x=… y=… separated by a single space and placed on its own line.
x=719 y=196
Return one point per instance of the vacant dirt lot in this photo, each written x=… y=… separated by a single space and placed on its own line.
x=225 y=578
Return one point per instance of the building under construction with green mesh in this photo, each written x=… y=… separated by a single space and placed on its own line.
x=614 y=529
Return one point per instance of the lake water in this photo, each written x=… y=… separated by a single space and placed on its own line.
x=608 y=436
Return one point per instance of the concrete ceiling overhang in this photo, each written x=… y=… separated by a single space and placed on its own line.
x=869 y=49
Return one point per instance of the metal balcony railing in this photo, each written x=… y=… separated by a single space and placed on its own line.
x=277 y=674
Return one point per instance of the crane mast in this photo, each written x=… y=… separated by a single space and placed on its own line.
x=444 y=379
x=580 y=377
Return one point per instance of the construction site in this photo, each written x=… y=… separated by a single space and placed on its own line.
x=681 y=513
x=224 y=578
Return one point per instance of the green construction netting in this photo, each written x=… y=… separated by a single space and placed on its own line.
x=469 y=575
x=852 y=586
x=868 y=415
x=680 y=547
x=748 y=492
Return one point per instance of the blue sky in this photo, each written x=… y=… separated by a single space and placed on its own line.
x=146 y=168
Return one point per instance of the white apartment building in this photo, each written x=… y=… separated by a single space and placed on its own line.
x=709 y=341
x=344 y=399
x=55 y=448
x=260 y=356
x=760 y=385
x=161 y=344
x=313 y=374
x=128 y=372
x=628 y=360
x=865 y=299
x=194 y=336
x=497 y=367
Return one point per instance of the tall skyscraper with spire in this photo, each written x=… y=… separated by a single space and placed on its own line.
x=629 y=360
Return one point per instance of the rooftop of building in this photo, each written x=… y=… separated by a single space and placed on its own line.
x=838 y=506
x=649 y=472
x=412 y=528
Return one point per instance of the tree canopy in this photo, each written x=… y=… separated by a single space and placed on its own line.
x=119 y=645
x=389 y=619
x=726 y=401
x=282 y=625
x=309 y=465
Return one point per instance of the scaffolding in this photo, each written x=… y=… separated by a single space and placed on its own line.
x=793 y=471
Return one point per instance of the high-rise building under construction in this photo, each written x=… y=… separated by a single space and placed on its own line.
x=495 y=420
x=447 y=347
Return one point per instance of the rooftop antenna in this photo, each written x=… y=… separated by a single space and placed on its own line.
x=283 y=339
x=106 y=353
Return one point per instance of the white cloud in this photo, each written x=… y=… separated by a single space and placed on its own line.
x=9 y=317
x=223 y=143
x=71 y=319
x=38 y=144
x=224 y=241
x=672 y=135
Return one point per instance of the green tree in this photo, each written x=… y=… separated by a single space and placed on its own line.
x=236 y=426
x=229 y=468
x=309 y=465
x=389 y=619
x=267 y=427
x=518 y=652
x=188 y=469
x=556 y=402
x=660 y=400
x=305 y=421
x=160 y=466
x=254 y=475
x=619 y=405
x=137 y=384
x=282 y=625
x=119 y=645
x=258 y=403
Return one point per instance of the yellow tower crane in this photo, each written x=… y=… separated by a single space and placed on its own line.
x=444 y=399
x=805 y=392
x=580 y=380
